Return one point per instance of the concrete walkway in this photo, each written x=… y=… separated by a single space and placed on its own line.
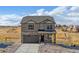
x=28 y=48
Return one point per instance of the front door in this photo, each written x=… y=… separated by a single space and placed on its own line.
x=42 y=38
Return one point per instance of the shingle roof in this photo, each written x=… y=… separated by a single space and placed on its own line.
x=37 y=18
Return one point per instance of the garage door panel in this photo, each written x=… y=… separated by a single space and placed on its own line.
x=30 y=39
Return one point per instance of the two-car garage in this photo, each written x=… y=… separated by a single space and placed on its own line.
x=30 y=39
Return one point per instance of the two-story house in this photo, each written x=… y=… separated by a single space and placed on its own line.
x=37 y=29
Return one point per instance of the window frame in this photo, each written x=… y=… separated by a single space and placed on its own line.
x=30 y=26
x=49 y=27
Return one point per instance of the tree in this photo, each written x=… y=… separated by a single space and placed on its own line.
x=71 y=28
x=77 y=28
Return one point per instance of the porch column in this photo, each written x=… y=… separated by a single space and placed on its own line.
x=39 y=38
x=55 y=37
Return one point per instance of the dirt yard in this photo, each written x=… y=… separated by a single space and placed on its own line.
x=10 y=34
x=69 y=38
x=49 y=48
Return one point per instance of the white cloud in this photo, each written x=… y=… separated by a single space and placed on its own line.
x=74 y=9
x=39 y=12
x=56 y=11
x=73 y=14
x=11 y=19
x=62 y=15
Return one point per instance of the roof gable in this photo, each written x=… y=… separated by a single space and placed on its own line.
x=47 y=21
x=30 y=21
x=37 y=19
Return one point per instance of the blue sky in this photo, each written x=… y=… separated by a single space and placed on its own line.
x=12 y=15
x=23 y=9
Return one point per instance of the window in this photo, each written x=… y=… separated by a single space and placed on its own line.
x=49 y=26
x=31 y=26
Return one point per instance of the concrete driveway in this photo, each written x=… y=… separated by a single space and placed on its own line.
x=28 y=48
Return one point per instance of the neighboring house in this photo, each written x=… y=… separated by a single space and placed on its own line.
x=36 y=29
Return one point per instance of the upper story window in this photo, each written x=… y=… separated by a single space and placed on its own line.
x=31 y=26
x=49 y=26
